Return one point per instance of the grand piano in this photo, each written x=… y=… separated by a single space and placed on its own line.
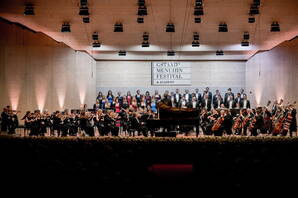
x=172 y=116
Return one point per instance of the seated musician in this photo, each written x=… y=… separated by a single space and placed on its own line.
x=228 y=122
x=258 y=122
x=218 y=127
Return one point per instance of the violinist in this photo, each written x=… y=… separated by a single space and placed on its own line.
x=258 y=122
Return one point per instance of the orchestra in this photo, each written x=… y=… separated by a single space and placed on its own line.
x=127 y=115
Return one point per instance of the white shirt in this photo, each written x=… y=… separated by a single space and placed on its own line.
x=194 y=104
x=244 y=104
x=218 y=104
x=230 y=104
x=187 y=97
x=206 y=103
x=177 y=97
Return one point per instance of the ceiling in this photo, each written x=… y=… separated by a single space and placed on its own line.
x=49 y=16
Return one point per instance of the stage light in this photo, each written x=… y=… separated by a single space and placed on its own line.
x=118 y=27
x=142 y=11
x=95 y=36
x=84 y=11
x=244 y=43
x=246 y=36
x=198 y=3
x=198 y=11
x=141 y=3
x=257 y=2
x=223 y=27
x=145 y=44
x=146 y=36
x=198 y=20
x=122 y=53
x=86 y=19
x=140 y=20
x=96 y=44
x=275 y=27
x=29 y=9
x=219 y=53
x=171 y=53
x=170 y=27
x=65 y=27
x=196 y=36
x=195 y=44
x=251 y=19
x=83 y=2
x=254 y=9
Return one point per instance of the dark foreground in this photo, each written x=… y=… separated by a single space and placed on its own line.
x=149 y=167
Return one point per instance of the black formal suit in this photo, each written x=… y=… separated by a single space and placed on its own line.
x=177 y=98
x=247 y=104
x=238 y=101
x=209 y=95
x=215 y=103
x=198 y=97
x=188 y=97
x=227 y=96
x=206 y=104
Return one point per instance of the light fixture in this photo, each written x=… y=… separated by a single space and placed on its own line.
x=245 y=43
x=219 y=53
x=199 y=3
x=118 y=27
x=145 y=44
x=86 y=19
x=84 y=11
x=142 y=11
x=198 y=11
x=254 y=9
x=141 y=3
x=65 y=27
x=198 y=20
x=251 y=19
x=29 y=9
x=95 y=36
x=171 y=53
x=122 y=53
x=275 y=27
x=83 y=2
x=96 y=44
x=196 y=36
x=223 y=27
x=170 y=27
x=246 y=36
x=146 y=36
x=195 y=43
x=140 y=20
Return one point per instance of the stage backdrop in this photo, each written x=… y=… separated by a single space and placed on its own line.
x=132 y=75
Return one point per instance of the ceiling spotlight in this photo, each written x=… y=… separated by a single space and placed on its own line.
x=86 y=19
x=196 y=36
x=199 y=3
x=84 y=11
x=244 y=43
x=140 y=20
x=141 y=3
x=170 y=27
x=118 y=27
x=254 y=9
x=197 y=20
x=65 y=27
x=142 y=11
x=195 y=44
x=223 y=27
x=171 y=53
x=219 y=53
x=122 y=53
x=145 y=44
x=275 y=27
x=257 y=2
x=95 y=36
x=251 y=19
x=198 y=11
x=146 y=36
x=29 y=9
x=246 y=36
x=96 y=44
x=83 y=2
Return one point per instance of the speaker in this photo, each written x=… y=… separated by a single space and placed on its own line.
x=166 y=134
